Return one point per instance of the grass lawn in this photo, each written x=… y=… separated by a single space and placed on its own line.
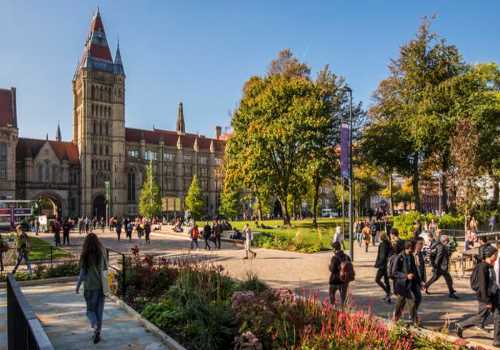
x=40 y=249
x=302 y=236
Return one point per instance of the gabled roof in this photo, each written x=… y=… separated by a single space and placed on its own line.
x=8 y=114
x=29 y=148
x=170 y=138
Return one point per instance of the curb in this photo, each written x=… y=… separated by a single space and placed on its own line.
x=41 y=282
x=165 y=338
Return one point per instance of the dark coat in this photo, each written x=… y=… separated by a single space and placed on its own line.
x=334 y=267
x=421 y=267
x=383 y=254
x=404 y=266
x=441 y=262
x=487 y=285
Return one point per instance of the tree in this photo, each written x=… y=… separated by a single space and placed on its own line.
x=150 y=199
x=465 y=144
x=410 y=98
x=230 y=205
x=194 y=199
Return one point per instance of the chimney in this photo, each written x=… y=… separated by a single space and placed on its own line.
x=14 y=106
x=218 y=132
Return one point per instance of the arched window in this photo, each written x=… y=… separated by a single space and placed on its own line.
x=93 y=92
x=55 y=173
x=100 y=127
x=107 y=129
x=94 y=127
x=40 y=172
x=100 y=93
x=100 y=150
x=46 y=172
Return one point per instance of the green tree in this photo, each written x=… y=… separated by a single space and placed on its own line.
x=194 y=199
x=230 y=205
x=150 y=199
x=410 y=99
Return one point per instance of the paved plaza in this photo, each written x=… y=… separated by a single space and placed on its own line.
x=62 y=311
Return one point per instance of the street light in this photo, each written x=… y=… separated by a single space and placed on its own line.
x=351 y=179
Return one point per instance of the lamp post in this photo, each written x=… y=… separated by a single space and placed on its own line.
x=351 y=179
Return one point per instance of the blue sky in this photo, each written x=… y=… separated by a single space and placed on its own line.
x=201 y=52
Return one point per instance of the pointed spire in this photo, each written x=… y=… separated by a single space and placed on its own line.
x=118 y=60
x=212 y=146
x=180 y=126
x=196 y=148
x=179 y=142
x=58 y=132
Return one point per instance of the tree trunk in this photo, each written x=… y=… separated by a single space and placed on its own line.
x=496 y=193
x=259 y=209
x=444 y=193
x=315 y=203
x=391 y=195
x=415 y=180
x=284 y=209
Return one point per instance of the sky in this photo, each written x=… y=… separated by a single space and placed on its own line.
x=202 y=52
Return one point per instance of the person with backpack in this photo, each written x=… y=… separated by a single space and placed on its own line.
x=483 y=243
x=341 y=274
x=440 y=257
x=383 y=254
x=194 y=233
x=483 y=282
x=248 y=242
x=374 y=231
x=420 y=259
x=407 y=282
x=398 y=245
x=207 y=233
x=129 y=229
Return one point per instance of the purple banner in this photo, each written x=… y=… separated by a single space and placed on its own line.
x=345 y=136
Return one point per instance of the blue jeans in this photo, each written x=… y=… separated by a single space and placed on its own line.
x=95 y=307
x=20 y=257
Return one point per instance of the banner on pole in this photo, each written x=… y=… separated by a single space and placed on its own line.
x=345 y=142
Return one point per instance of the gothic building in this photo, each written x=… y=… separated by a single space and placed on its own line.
x=73 y=175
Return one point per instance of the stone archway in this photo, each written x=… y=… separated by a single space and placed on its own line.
x=49 y=204
x=99 y=206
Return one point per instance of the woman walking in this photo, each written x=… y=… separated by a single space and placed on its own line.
x=93 y=273
x=248 y=242
x=383 y=254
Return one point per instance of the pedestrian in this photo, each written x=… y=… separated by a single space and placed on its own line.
x=383 y=254
x=338 y=236
x=359 y=235
x=118 y=229
x=207 y=233
x=483 y=243
x=420 y=259
x=4 y=247
x=407 y=283
x=484 y=283
x=56 y=228
x=93 y=274
x=23 y=246
x=80 y=226
x=129 y=229
x=366 y=235
x=492 y=222
x=66 y=228
x=398 y=245
x=440 y=265
x=147 y=231
x=341 y=274
x=248 y=242
x=470 y=239
x=433 y=226
x=374 y=231
x=217 y=232
x=193 y=234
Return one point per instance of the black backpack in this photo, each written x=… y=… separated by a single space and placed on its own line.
x=392 y=265
x=474 y=279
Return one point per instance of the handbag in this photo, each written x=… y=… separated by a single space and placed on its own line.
x=105 y=282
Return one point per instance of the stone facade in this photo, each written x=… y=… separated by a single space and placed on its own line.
x=72 y=175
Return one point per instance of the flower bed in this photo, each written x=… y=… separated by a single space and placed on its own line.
x=202 y=308
x=66 y=269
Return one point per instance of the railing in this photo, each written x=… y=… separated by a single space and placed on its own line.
x=24 y=330
x=119 y=266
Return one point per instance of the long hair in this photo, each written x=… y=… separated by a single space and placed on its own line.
x=92 y=251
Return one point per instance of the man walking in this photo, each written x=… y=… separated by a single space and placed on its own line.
x=207 y=233
x=483 y=282
x=217 y=231
x=341 y=274
x=66 y=228
x=118 y=228
x=407 y=283
x=23 y=246
x=384 y=251
x=194 y=233
x=248 y=242
x=56 y=228
x=440 y=266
